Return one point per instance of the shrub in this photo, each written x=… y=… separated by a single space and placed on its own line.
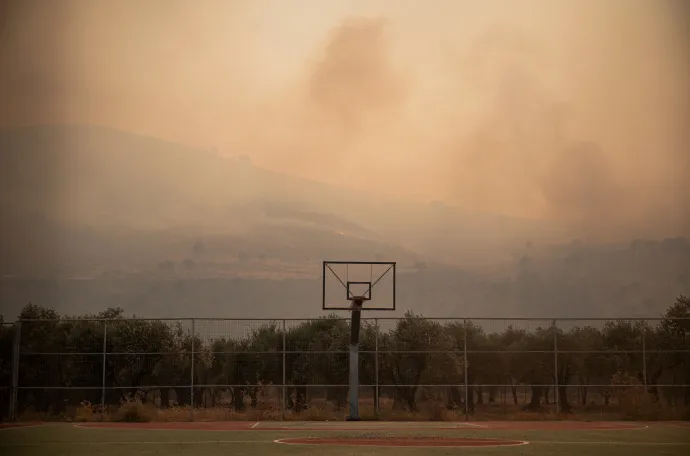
x=85 y=412
x=134 y=412
x=634 y=402
x=434 y=408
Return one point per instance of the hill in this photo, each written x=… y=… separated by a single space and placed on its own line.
x=103 y=178
x=94 y=217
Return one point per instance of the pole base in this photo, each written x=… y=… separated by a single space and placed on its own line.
x=353 y=418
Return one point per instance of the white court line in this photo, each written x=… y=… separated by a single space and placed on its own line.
x=374 y=445
x=343 y=426
x=135 y=442
x=461 y=425
x=389 y=425
x=23 y=426
x=127 y=428
x=678 y=426
x=624 y=427
x=628 y=443
x=198 y=442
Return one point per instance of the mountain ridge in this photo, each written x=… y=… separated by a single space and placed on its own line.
x=169 y=184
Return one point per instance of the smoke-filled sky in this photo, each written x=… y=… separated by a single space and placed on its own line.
x=577 y=110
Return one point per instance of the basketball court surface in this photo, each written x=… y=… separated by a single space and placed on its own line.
x=356 y=287
x=537 y=438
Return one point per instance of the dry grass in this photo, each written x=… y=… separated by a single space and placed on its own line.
x=86 y=412
x=31 y=415
x=135 y=412
x=628 y=402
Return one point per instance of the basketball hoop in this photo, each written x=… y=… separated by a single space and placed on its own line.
x=351 y=284
x=348 y=281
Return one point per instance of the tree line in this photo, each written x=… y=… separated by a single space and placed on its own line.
x=62 y=362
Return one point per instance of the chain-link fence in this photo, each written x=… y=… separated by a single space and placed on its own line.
x=414 y=368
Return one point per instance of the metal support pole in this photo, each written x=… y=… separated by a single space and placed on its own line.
x=14 y=385
x=644 y=359
x=191 y=386
x=555 y=365
x=467 y=386
x=282 y=407
x=376 y=367
x=105 y=350
x=354 y=360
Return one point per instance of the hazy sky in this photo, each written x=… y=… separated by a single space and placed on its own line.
x=570 y=109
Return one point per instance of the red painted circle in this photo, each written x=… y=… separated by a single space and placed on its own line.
x=404 y=442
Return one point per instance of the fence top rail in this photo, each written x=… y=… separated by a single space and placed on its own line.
x=552 y=319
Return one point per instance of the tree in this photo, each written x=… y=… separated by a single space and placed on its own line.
x=514 y=363
x=454 y=371
x=41 y=333
x=302 y=366
x=61 y=360
x=579 y=348
x=539 y=369
x=405 y=358
x=137 y=352
x=667 y=347
x=623 y=342
x=331 y=364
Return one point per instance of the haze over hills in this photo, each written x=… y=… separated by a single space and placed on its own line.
x=522 y=158
x=102 y=178
x=100 y=217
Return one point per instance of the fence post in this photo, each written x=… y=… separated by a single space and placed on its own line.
x=376 y=367
x=105 y=349
x=555 y=366
x=14 y=385
x=191 y=386
x=644 y=358
x=467 y=386
x=284 y=397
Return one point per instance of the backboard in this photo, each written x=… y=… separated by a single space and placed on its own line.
x=372 y=282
